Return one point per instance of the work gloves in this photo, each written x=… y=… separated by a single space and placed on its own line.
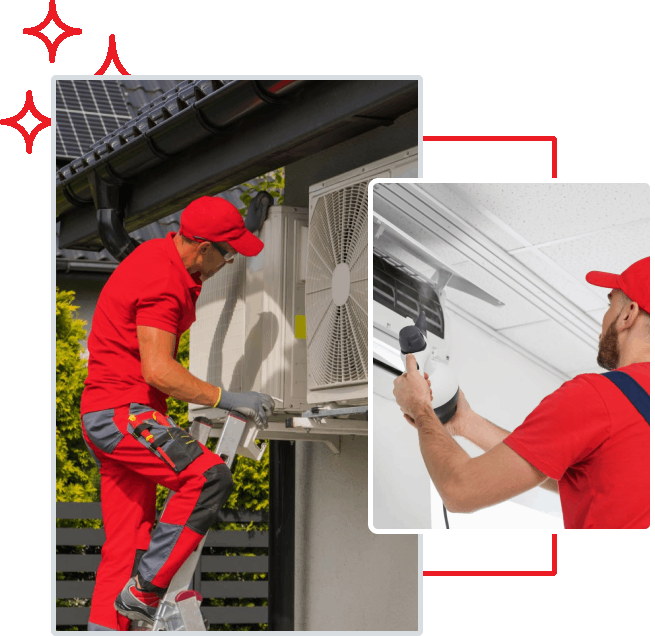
x=255 y=406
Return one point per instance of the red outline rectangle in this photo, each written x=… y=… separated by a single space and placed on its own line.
x=552 y=572
x=552 y=139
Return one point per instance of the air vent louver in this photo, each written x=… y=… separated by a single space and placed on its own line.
x=402 y=290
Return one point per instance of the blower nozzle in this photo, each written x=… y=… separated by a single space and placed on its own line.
x=445 y=390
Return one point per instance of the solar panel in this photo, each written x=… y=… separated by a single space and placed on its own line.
x=86 y=111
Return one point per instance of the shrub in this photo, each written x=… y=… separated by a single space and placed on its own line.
x=77 y=476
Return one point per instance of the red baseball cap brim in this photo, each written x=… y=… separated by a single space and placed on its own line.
x=634 y=282
x=247 y=244
x=603 y=279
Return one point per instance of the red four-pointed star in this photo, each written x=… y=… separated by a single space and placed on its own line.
x=112 y=56
x=14 y=122
x=52 y=16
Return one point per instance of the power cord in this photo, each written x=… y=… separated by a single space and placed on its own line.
x=396 y=372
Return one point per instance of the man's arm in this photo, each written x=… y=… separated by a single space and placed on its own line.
x=464 y=484
x=468 y=484
x=492 y=478
x=443 y=457
x=161 y=370
x=487 y=435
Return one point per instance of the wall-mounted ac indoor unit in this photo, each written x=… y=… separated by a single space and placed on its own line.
x=400 y=292
x=336 y=294
x=249 y=329
x=399 y=295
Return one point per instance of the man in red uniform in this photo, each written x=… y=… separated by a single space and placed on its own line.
x=588 y=440
x=144 y=307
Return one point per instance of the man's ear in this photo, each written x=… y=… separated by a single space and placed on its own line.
x=629 y=313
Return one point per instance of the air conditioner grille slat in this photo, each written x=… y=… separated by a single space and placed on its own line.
x=337 y=280
x=337 y=333
x=395 y=286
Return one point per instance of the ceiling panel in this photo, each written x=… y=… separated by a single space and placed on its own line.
x=612 y=250
x=554 y=344
x=457 y=200
x=576 y=289
x=547 y=212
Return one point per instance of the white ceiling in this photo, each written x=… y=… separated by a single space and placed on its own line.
x=530 y=246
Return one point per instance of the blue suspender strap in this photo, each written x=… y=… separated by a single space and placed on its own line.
x=633 y=391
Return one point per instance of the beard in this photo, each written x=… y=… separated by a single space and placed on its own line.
x=608 y=348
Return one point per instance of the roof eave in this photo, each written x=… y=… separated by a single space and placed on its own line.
x=264 y=139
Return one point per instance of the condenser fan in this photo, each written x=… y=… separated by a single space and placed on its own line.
x=336 y=288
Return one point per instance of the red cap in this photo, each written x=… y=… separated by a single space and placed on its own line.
x=634 y=282
x=216 y=220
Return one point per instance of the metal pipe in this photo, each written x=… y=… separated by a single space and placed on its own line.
x=281 y=536
x=110 y=215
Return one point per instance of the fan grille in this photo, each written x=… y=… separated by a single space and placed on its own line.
x=337 y=333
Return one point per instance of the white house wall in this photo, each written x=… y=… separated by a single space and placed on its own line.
x=347 y=578
x=401 y=484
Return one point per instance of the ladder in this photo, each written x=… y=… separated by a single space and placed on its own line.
x=179 y=609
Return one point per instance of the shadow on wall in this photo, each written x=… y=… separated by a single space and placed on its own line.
x=215 y=360
x=256 y=350
x=259 y=344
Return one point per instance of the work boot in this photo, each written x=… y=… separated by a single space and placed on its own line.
x=136 y=604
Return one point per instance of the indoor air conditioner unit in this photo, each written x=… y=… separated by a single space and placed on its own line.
x=336 y=293
x=249 y=330
x=400 y=292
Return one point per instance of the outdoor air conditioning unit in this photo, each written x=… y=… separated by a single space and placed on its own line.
x=249 y=330
x=336 y=294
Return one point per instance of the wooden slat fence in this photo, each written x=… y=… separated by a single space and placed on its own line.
x=235 y=540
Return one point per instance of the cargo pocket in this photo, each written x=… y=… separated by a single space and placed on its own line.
x=172 y=444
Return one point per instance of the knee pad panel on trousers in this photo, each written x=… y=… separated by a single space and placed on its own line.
x=214 y=494
x=102 y=430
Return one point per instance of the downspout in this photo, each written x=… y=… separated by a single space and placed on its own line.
x=110 y=214
x=281 y=535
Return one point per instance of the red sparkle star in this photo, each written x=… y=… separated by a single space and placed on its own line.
x=14 y=122
x=52 y=16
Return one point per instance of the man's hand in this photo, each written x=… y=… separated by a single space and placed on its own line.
x=412 y=390
x=257 y=406
x=407 y=417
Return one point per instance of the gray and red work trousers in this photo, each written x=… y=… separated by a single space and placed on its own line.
x=137 y=448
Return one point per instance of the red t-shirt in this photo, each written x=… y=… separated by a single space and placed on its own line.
x=593 y=441
x=150 y=288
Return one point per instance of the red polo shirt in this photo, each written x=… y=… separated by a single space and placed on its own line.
x=150 y=288
x=593 y=441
